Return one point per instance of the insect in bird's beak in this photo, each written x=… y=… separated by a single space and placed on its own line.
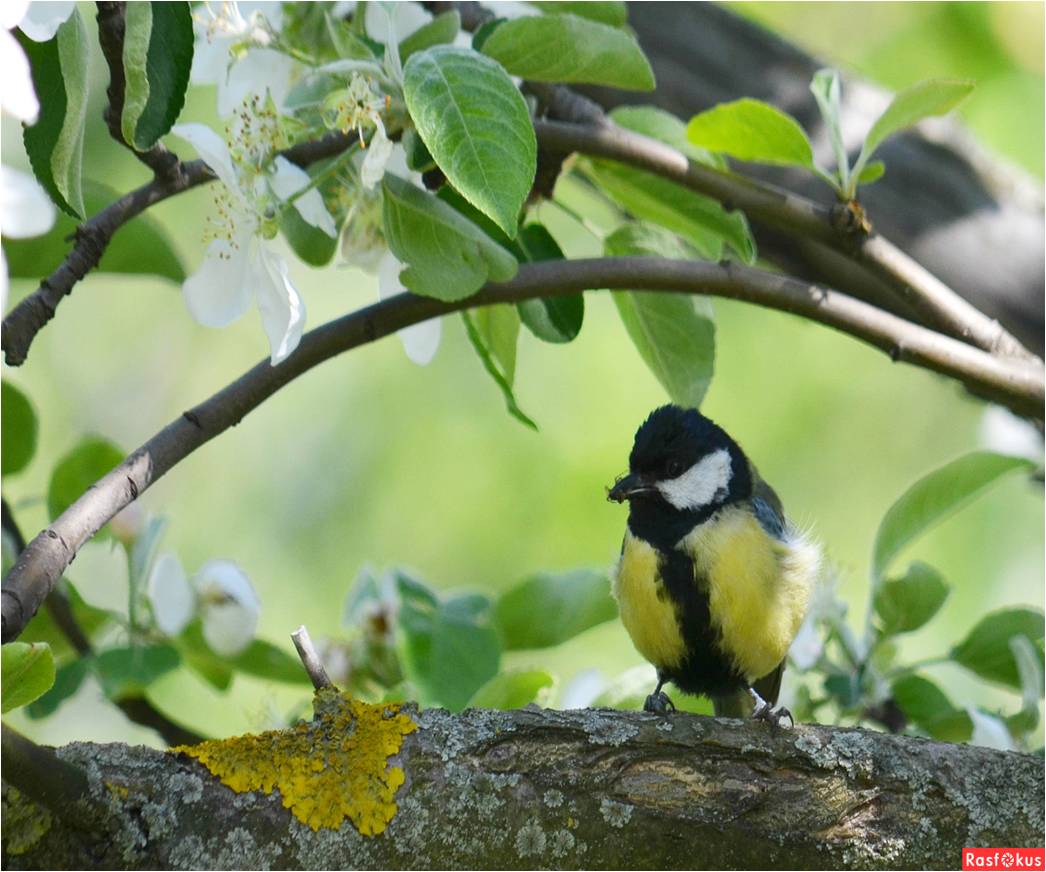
x=631 y=485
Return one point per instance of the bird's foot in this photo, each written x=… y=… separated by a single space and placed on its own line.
x=774 y=716
x=658 y=703
x=764 y=711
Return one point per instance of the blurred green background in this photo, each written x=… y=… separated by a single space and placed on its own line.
x=372 y=460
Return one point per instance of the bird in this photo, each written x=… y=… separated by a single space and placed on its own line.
x=713 y=582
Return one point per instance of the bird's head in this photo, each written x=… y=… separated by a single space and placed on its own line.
x=681 y=462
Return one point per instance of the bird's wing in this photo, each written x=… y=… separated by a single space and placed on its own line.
x=766 y=506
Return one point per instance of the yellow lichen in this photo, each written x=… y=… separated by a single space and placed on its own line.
x=329 y=769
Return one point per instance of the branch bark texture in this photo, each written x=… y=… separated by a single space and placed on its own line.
x=579 y=789
x=1013 y=382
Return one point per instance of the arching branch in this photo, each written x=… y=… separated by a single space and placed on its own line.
x=1012 y=382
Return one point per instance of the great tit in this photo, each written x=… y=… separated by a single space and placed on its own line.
x=713 y=582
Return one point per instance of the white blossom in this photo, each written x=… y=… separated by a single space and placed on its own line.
x=25 y=211
x=172 y=598
x=40 y=22
x=240 y=262
x=229 y=607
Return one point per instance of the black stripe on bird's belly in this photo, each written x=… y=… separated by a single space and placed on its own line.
x=705 y=669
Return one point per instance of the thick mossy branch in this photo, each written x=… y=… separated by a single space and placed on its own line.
x=579 y=789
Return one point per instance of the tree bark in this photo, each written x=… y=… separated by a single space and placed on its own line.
x=547 y=789
x=968 y=217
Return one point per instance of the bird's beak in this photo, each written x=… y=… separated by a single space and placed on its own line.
x=632 y=485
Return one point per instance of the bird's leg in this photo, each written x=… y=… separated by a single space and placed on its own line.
x=766 y=712
x=658 y=702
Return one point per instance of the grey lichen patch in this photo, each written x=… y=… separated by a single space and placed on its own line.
x=561 y=843
x=665 y=726
x=852 y=751
x=602 y=729
x=187 y=853
x=329 y=849
x=553 y=798
x=242 y=851
x=186 y=787
x=451 y=734
x=25 y=822
x=862 y=853
x=616 y=814
x=530 y=840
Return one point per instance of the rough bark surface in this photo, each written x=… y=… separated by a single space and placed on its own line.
x=580 y=789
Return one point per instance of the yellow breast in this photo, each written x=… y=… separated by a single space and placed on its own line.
x=758 y=587
x=647 y=611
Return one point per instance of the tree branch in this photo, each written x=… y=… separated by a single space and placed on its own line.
x=1014 y=383
x=597 y=789
x=137 y=709
x=937 y=305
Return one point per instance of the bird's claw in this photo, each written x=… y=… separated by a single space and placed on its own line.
x=659 y=704
x=766 y=712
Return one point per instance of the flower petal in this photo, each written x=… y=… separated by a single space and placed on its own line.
x=212 y=150
x=260 y=70
x=17 y=95
x=404 y=17
x=170 y=595
x=219 y=291
x=25 y=208
x=42 y=20
x=288 y=180
x=420 y=341
x=12 y=12
x=229 y=607
x=279 y=303
x=379 y=150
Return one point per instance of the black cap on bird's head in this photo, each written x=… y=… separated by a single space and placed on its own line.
x=682 y=464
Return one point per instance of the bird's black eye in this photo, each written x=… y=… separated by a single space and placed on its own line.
x=675 y=468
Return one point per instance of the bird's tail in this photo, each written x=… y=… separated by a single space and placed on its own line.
x=740 y=704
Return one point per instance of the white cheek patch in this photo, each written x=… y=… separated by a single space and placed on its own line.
x=705 y=481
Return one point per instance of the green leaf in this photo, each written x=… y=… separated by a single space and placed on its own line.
x=448 y=649
x=143 y=552
x=501 y=378
x=752 y=130
x=906 y=603
x=566 y=48
x=142 y=247
x=614 y=14
x=311 y=244
x=551 y=319
x=128 y=671
x=927 y=706
x=347 y=44
x=514 y=689
x=673 y=333
x=17 y=428
x=92 y=458
x=55 y=144
x=447 y=256
x=827 y=92
x=1028 y=658
x=198 y=656
x=700 y=220
x=157 y=57
x=265 y=660
x=485 y=30
x=67 y=681
x=476 y=125
x=664 y=127
x=549 y=608
x=934 y=497
x=27 y=673
x=986 y=649
x=498 y=330
x=872 y=173
x=932 y=97
x=441 y=30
